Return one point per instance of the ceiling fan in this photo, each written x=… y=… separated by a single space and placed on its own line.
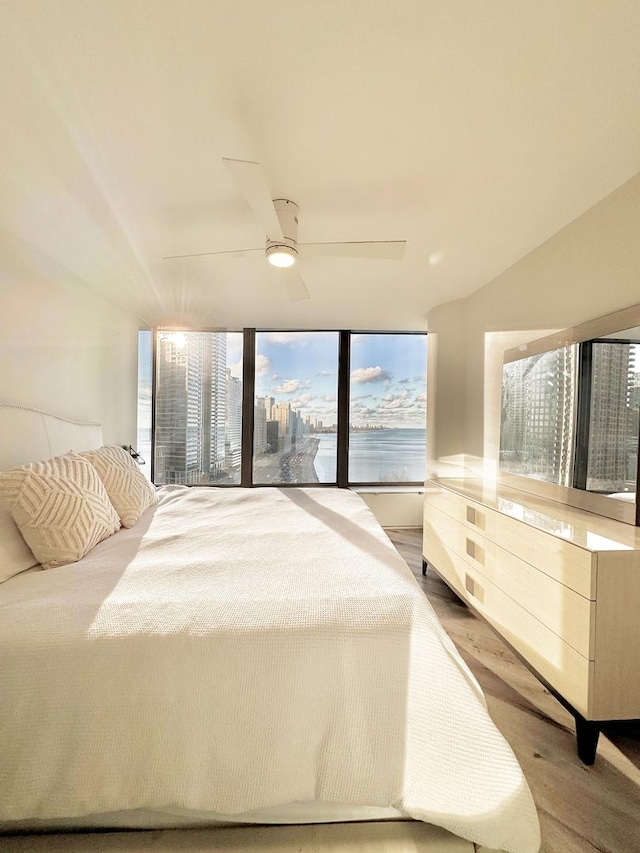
x=279 y=220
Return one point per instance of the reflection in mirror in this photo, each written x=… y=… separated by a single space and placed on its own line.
x=570 y=415
x=612 y=456
x=538 y=416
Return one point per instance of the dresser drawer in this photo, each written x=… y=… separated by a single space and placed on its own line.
x=572 y=566
x=563 y=611
x=567 y=671
x=443 y=559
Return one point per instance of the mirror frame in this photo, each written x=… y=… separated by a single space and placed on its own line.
x=628 y=512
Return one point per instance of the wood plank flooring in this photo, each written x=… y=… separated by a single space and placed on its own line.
x=582 y=809
x=384 y=837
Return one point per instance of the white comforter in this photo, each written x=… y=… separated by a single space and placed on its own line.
x=242 y=649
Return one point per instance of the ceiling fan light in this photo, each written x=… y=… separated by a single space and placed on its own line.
x=281 y=256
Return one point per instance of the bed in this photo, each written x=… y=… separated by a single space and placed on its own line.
x=239 y=655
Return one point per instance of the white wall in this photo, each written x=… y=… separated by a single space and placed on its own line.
x=63 y=348
x=590 y=268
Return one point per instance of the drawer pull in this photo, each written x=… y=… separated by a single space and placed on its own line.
x=476 y=551
x=474 y=517
x=473 y=588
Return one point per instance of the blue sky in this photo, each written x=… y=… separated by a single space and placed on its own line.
x=388 y=374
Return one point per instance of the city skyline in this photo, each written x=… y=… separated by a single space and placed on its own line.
x=300 y=368
x=199 y=402
x=387 y=383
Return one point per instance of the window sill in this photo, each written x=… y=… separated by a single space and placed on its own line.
x=385 y=490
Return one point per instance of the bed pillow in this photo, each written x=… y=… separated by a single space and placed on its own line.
x=60 y=506
x=129 y=490
x=15 y=555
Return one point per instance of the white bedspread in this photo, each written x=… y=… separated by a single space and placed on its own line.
x=240 y=649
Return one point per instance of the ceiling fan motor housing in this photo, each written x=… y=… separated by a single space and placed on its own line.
x=287 y=212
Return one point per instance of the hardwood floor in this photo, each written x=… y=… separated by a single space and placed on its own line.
x=582 y=809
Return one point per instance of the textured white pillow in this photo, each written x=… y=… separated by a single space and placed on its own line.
x=15 y=556
x=129 y=490
x=60 y=506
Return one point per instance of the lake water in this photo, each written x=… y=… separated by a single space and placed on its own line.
x=376 y=456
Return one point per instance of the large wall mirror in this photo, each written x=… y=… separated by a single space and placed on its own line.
x=570 y=425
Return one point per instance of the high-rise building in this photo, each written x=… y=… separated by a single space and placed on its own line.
x=190 y=407
x=215 y=426
x=260 y=427
x=233 y=442
x=282 y=413
x=273 y=437
x=611 y=441
x=538 y=416
x=269 y=403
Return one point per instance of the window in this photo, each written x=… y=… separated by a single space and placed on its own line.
x=387 y=413
x=145 y=371
x=295 y=420
x=292 y=401
x=198 y=408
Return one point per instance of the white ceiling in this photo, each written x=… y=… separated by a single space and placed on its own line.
x=474 y=130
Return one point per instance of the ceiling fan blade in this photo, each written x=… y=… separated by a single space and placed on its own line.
x=239 y=253
x=296 y=288
x=392 y=250
x=249 y=178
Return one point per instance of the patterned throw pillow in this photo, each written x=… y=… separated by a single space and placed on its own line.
x=60 y=506
x=129 y=490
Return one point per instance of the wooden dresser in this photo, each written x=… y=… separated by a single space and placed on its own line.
x=560 y=585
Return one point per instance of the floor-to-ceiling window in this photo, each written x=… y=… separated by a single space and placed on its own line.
x=145 y=399
x=387 y=412
x=198 y=408
x=296 y=413
x=284 y=407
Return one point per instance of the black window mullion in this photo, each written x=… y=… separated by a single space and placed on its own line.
x=344 y=359
x=583 y=414
x=248 y=398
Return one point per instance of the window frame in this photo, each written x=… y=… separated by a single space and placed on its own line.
x=248 y=402
x=366 y=484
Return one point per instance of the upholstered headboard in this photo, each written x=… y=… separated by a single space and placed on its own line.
x=29 y=435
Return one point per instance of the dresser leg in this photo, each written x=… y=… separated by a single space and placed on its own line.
x=424 y=566
x=587 y=733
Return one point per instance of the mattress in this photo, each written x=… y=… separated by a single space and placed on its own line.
x=240 y=650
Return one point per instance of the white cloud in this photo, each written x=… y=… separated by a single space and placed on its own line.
x=236 y=369
x=301 y=338
x=393 y=398
x=234 y=346
x=263 y=365
x=328 y=398
x=369 y=374
x=289 y=386
x=302 y=401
